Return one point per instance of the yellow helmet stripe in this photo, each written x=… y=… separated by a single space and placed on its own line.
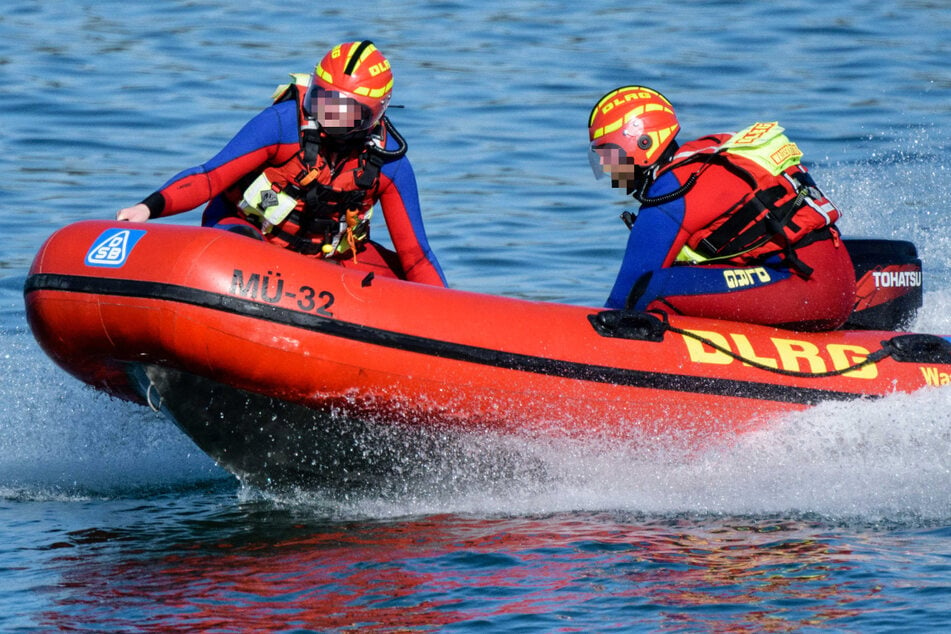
x=323 y=74
x=363 y=91
x=608 y=100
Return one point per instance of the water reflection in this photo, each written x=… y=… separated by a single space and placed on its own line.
x=272 y=570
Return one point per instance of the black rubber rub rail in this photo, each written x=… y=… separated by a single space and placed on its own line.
x=437 y=348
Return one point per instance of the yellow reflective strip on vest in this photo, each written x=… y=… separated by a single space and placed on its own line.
x=690 y=256
x=766 y=145
x=300 y=79
x=274 y=210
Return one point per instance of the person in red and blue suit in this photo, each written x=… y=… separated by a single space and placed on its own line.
x=730 y=226
x=306 y=172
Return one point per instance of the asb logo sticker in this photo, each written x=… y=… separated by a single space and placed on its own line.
x=112 y=248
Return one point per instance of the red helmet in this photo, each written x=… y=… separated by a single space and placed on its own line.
x=637 y=120
x=351 y=88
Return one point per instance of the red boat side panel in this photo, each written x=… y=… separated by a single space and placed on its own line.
x=249 y=315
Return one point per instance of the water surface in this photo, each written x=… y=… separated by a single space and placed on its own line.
x=837 y=518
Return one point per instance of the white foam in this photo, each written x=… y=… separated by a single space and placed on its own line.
x=59 y=437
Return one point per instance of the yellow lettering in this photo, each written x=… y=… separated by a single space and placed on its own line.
x=702 y=353
x=755 y=132
x=792 y=354
x=785 y=152
x=736 y=278
x=935 y=377
x=841 y=359
x=730 y=277
x=376 y=69
x=745 y=349
x=608 y=106
x=792 y=351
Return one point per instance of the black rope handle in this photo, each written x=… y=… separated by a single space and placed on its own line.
x=653 y=325
x=872 y=358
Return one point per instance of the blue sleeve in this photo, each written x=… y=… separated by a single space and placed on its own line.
x=403 y=178
x=649 y=242
x=257 y=141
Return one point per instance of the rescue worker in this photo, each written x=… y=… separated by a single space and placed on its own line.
x=730 y=226
x=306 y=172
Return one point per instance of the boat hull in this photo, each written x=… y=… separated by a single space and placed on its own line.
x=160 y=314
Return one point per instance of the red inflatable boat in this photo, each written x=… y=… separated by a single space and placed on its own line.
x=275 y=363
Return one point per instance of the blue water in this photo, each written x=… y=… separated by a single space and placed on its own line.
x=838 y=518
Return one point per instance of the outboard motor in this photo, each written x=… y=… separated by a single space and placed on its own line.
x=888 y=283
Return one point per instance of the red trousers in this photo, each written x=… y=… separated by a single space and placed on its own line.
x=777 y=297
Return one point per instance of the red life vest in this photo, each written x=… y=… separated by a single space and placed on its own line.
x=784 y=208
x=306 y=204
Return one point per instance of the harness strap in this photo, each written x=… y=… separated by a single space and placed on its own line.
x=825 y=233
x=719 y=245
x=310 y=144
x=372 y=162
x=327 y=212
x=759 y=220
x=724 y=241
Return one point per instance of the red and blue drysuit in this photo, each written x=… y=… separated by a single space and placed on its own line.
x=272 y=140
x=814 y=290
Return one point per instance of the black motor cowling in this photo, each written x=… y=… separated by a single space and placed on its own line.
x=888 y=283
